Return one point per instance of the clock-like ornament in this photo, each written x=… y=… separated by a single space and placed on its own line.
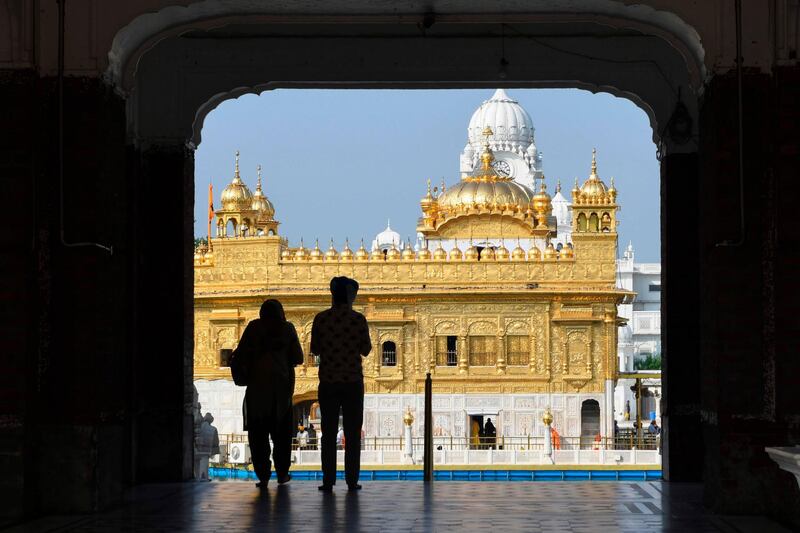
x=501 y=168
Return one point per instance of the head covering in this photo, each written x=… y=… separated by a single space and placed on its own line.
x=273 y=320
x=344 y=290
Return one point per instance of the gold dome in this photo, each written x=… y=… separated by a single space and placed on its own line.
x=455 y=254
x=361 y=253
x=518 y=254
x=236 y=196
x=347 y=253
x=301 y=254
x=534 y=254
x=542 y=204
x=593 y=187
x=377 y=255
x=550 y=252
x=316 y=253
x=286 y=254
x=439 y=254
x=261 y=203
x=428 y=202
x=331 y=254
x=408 y=252
x=502 y=253
x=485 y=191
x=393 y=254
x=487 y=254
x=568 y=252
x=472 y=253
x=424 y=254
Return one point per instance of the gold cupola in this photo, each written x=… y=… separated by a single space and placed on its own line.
x=472 y=252
x=568 y=251
x=439 y=254
x=362 y=254
x=347 y=253
x=286 y=254
x=534 y=254
x=502 y=253
x=424 y=254
x=261 y=204
x=518 y=254
x=408 y=252
x=542 y=205
x=487 y=254
x=331 y=254
x=377 y=254
x=393 y=254
x=593 y=189
x=301 y=254
x=236 y=196
x=455 y=254
x=550 y=253
x=429 y=205
x=316 y=253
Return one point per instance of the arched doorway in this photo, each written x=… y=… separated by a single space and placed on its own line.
x=590 y=422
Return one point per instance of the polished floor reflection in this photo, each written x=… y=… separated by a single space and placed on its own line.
x=389 y=506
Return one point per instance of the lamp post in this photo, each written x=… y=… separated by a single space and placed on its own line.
x=547 y=419
x=408 y=445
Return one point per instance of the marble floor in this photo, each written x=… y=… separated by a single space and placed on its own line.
x=408 y=506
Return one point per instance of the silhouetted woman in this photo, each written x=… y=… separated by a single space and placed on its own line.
x=267 y=354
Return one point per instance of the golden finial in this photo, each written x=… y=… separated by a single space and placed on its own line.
x=443 y=187
x=236 y=168
x=487 y=132
x=429 y=187
x=575 y=189
x=594 y=162
x=612 y=182
x=258 y=183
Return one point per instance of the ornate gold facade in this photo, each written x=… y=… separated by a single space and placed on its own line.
x=482 y=321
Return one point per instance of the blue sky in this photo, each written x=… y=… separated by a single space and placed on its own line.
x=339 y=163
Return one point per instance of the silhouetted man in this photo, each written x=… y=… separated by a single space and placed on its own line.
x=264 y=360
x=340 y=337
x=490 y=432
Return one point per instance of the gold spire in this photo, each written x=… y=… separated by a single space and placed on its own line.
x=594 y=162
x=558 y=186
x=331 y=254
x=361 y=253
x=429 y=189
x=316 y=253
x=487 y=157
x=439 y=254
x=347 y=253
x=236 y=167
x=258 y=182
x=408 y=251
x=443 y=187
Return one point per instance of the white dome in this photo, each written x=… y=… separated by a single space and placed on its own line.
x=386 y=238
x=511 y=124
x=561 y=209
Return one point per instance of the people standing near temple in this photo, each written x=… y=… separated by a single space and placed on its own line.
x=264 y=361
x=312 y=437
x=340 y=439
x=627 y=409
x=207 y=445
x=653 y=429
x=340 y=337
x=301 y=438
x=491 y=433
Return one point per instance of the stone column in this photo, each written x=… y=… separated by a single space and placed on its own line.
x=501 y=354
x=408 y=441
x=463 y=354
x=547 y=419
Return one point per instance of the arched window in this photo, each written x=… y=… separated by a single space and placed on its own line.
x=582 y=222
x=230 y=228
x=389 y=354
x=594 y=222
x=590 y=422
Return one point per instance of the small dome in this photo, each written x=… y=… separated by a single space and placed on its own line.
x=511 y=124
x=561 y=208
x=542 y=204
x=568 y=252
x=534 y=254
x=472 y=253
x=261 y=203
x=439 y=254
x=455 y=254
x=424 y=254
x=347 y=253
x=518 y=254
x=301 y=254
x=331 y=254
x=236 y=196
x=286 y=254
x=487 y=254
x=502 y=253
x=316 y=253
x=377 y=254
x=361 y=253
x=388 y=237
x=393 y=254
x=408 y=253
x=550 y=252
x=593 y=187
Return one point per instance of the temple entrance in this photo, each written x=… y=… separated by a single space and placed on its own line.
x=590 y=423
